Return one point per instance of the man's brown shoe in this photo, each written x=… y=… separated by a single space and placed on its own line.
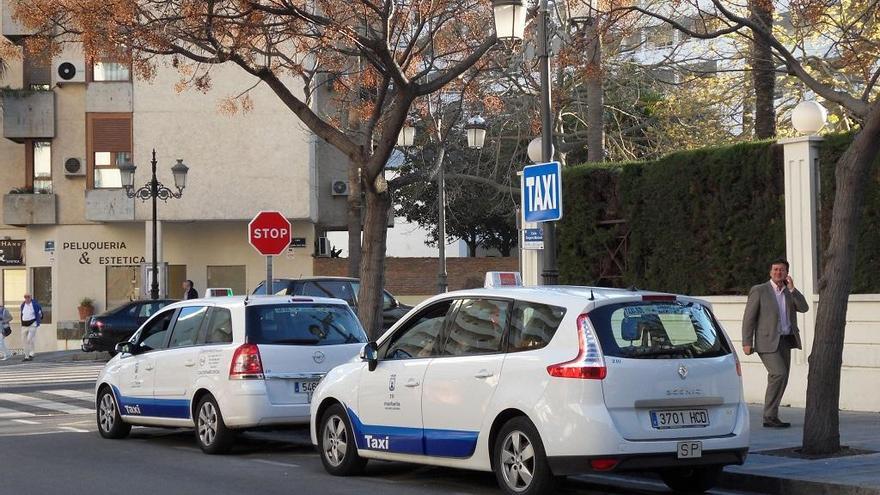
x=775 y=423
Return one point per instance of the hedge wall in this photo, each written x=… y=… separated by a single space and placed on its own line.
x=701 y=222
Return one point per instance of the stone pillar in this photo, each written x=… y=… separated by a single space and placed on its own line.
x=801 y=168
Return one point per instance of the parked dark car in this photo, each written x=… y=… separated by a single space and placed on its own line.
x=107 y=329
x=344 y=288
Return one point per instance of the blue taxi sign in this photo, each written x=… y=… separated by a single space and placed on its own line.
x=542 y=192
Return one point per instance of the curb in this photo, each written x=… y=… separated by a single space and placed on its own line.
x=789 y=486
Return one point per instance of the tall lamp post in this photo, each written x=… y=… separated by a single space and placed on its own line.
x=510 y=19
x=154 y=190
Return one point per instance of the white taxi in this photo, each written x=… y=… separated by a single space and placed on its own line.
x=538 y=383
x=225 y=364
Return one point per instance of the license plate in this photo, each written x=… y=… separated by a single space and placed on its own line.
x=307 y=388
x=681 y=418
x=690 y=450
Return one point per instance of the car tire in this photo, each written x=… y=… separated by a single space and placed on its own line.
x=110 y=423
x=212 y=434
x=519 y=460
x=337 y=444
x=691 y=480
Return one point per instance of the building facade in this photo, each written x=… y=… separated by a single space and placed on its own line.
x=69 y=231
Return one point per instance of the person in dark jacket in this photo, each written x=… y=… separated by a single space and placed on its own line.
x=31 y=316
x=188 y=291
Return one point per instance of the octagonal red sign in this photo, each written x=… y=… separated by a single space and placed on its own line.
x=269 y=233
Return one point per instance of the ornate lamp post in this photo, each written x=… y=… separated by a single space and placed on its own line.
x=510 y=19
x=154 y=190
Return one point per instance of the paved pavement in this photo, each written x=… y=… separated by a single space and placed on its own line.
x=762 y=472
x=857 y=474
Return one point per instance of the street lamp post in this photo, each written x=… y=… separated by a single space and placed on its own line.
x=509 y=24
x=154 y=190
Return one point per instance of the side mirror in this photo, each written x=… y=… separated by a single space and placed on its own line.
x=370 y=354
x=126 y=347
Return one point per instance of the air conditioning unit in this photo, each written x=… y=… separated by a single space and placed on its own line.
x=339 y=188
x=74 y=167
x=68 y=71
x=323 y=250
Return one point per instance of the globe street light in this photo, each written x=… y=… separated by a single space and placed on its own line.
x=476 y=132
x=808 y=117
x=407 y=136
x=153 y=190
x=510 y=24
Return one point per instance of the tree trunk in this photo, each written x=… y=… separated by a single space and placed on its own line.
x=595 y=96
x=353 y=218
x=763 y=71
x=821 y=425
x=372 y=271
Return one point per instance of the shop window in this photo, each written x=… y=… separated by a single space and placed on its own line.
x=176 y=277
x=42 y=283
x=14 y=287
x=109 y=145
x=123 y=285
x=232 y=277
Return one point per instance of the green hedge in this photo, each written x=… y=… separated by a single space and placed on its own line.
x=705 y=221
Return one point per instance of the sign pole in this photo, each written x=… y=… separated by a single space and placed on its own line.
x=269 y=291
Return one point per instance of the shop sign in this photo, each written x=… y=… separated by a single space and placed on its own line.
x=87 y=255
x=11 y=252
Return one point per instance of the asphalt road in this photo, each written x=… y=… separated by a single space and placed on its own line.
x=49 y=445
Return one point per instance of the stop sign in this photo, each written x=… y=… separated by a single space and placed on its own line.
x=269 y=233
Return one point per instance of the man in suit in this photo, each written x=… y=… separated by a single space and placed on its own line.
x=188 y=291
x=770 y=329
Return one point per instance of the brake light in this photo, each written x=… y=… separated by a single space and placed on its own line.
x=98 y=325
x=589 y=364
x=659 y=298
x=603 y=464
x=246 y=363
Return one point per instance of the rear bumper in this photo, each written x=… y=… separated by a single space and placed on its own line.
x=247 y=405
x=96 y=343
x=566 y=465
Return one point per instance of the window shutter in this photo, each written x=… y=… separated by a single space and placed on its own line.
x=111 y=134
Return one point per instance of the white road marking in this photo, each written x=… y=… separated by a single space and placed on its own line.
x=72 y=394
x=12 y=413
x=45 y=404
x=75 y=430
x=26 y=422
x=276 y=463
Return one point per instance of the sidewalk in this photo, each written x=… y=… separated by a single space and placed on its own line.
x=851 y=475
x=58 y=357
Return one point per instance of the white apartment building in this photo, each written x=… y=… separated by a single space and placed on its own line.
x=69 y=231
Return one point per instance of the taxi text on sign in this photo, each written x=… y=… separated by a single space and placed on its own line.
x=542 y=192
x=269 y=233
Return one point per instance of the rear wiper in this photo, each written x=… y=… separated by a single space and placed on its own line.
x=296 y=341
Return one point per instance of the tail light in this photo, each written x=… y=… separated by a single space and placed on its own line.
x=97 y=325
x=589 y=364
x=659 y=298
x=246 y=363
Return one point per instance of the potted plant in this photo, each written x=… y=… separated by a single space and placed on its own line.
x=86 y=308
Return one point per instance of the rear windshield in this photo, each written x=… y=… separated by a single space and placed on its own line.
x=303 y=324
x=658 y=330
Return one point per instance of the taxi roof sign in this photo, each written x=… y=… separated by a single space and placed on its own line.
x=503 y=279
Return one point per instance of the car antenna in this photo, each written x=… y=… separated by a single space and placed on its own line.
x=246 y=296
x=592 y=297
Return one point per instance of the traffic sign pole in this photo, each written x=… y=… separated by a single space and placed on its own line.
x=269 y=290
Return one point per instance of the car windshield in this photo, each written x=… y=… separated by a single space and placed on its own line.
x=658 y=330
x=303 y=324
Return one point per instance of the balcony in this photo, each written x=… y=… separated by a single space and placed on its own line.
x=10 y=27
x=109 y=205
x=29 y=209
x=28 y=114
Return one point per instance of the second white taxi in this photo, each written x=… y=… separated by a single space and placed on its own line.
x=538 y=383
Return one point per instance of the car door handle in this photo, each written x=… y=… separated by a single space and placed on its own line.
x=412 y=383
x=189 y=363
x=148 y=367
x=483 y=374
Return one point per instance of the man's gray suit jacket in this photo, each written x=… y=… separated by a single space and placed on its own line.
x=760 y=327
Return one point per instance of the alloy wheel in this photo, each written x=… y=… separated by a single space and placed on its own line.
x=517 y=461
x=107 y=412
x=335 y=440
x=207 y=423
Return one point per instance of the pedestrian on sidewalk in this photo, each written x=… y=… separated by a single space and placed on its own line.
x=5 y=331
x=188 y=291
x=770 y=328
x=31 y=316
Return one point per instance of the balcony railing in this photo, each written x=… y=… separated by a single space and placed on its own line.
x=29 y=209
x=28 y=114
